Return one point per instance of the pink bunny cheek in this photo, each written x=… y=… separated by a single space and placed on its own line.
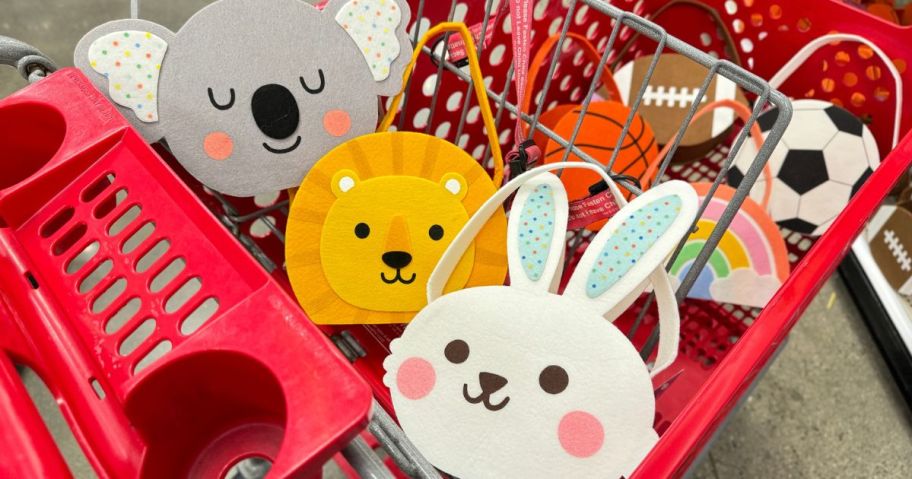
x=580 y=434
x=337 y=122
x=416 y=378
x=218 y=145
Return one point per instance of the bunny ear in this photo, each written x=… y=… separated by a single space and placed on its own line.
x=632 y=246
x=124 y=59
x=535 y=241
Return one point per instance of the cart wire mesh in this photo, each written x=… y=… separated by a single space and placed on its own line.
x=259 y=224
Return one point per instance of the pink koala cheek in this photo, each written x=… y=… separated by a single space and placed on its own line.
x=218 y=145
x=415 y=378
x=337 y=122
x=580 y=434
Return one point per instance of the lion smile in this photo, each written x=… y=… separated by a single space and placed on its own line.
x=398 y=278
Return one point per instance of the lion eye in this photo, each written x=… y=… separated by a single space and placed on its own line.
x=457 y=351
x=553 y=379
x=436 y=232
x=221 y=106
x=362 y=230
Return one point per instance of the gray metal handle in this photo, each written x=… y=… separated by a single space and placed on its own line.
x=31 y=63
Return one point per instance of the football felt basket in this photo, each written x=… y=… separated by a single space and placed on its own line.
x=373 y=216
x=518 y=381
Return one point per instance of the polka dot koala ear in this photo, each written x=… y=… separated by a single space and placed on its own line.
x=378 y=29
x=538 y=222
x=124 y=60
x=131 y=61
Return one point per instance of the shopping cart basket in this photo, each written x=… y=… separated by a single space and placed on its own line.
x=170 y=350
x=724 y=347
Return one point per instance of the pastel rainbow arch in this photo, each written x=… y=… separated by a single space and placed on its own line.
x=750 y=262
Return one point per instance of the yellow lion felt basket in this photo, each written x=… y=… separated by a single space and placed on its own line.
x=372 y=218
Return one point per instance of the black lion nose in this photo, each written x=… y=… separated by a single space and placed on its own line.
x=397 y=259
x=491 y=383
x=275 y=111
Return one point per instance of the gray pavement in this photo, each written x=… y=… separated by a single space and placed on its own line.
x=826 y=408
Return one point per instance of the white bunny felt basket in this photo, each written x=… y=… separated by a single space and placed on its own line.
x=518 y=381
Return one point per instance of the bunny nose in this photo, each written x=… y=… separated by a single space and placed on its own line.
x=275 y=111
x=397 y=259
x=491 y=383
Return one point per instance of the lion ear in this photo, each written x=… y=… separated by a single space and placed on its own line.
x=455 y=184
x=124 y=60
x=343 y=181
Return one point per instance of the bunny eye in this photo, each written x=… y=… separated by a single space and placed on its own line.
x=221 y=106
x=314 y=91
x=553 y=379
x=457 y=351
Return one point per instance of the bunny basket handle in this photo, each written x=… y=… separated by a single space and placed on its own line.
x=669 y=320
x=814 y=45
x=477 y=82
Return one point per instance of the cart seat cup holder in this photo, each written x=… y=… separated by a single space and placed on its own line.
x=171 y=351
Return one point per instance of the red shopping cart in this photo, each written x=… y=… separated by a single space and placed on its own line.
x=171 y=351
x=724 y=347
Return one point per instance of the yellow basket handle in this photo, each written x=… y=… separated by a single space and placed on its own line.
x=477 y=82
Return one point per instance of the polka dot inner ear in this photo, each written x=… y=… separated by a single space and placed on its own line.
x=536 y=231
x=639 y=231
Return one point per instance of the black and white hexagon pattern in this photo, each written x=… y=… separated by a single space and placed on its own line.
x=825 y=155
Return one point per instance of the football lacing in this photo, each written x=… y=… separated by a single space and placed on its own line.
x=682 y=98
x=898 y=250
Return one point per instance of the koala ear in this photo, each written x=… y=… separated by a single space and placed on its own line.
x=343 y=181
x=378 y=28
x=632 y=246
x=124 y=60
x=536 y=233
x=455 y=184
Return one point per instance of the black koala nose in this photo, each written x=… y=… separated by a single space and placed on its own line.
x=275 y=111
x=491 y=383
x=397 y=259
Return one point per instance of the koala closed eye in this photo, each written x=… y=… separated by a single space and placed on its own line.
x=219 y=106
x=314 y=91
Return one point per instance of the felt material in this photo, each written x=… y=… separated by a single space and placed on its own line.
x=669 y=95
x=640 y=229
x=372 y=25
x=749 y=264
x=824 y=157
x=528 y=383
x=536 y=219
x=131 y=61
x=371 y=219
x=396 y=200
x=323 y=95
x=598 y=135
x=890 y=249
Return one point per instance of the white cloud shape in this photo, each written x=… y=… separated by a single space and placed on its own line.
x=745 y=287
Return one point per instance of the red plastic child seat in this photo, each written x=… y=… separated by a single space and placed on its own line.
x=101 y=244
